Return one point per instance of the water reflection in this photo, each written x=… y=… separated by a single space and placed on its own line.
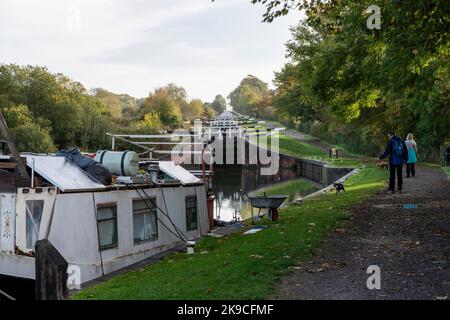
x=228 y=180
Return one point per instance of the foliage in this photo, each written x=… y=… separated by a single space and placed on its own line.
x=28 y=133
x=150 y=124
x=171 y=105
x=47 y=111
x=177 y=93
x=219 y=104
x=249 y=97
x=277 y=8
x=119 y=105
x=289 y=97
x=30 y=136
x=208 y=111
x=51 y=107
x=162 y=102
x=366 y=82
x=193 y=110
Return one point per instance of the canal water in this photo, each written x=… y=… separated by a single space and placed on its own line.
x=19 y=289
x=227 y=181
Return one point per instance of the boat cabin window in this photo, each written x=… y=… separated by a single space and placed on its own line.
x=34 y=210
x=191 y=213
x=145 y=227
x=107 y=225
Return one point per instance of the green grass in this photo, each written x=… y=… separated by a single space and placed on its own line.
x=446 y=170
x=342 y=148
x=298 y=186
x=323 y=142
x=293 y=147
x=238 y=266
x=302 y=149
x=347 y=162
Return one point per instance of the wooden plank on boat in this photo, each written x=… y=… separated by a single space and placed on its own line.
x=8 y=165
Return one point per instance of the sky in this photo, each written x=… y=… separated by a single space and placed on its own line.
x=135 y=46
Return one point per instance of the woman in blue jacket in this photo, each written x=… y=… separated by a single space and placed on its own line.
x=413 y=155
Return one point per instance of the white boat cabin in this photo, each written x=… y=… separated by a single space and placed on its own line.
x=96 y=227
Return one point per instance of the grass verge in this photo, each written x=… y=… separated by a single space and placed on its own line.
x=239 y=266
x=446 y=170
x=296 y=148
x=298 y=186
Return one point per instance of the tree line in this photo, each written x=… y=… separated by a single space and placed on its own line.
x=350 y=85
x=48 y=111
x=343 y=82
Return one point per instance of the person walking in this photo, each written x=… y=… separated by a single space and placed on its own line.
x=398 y=155
x=413 y=155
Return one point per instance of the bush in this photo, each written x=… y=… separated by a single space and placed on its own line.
x=150 y=124
x=30 y=137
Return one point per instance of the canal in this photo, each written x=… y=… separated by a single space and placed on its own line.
x=231 y=204
x=19 y=289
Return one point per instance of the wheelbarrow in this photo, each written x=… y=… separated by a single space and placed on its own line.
x=271 y=203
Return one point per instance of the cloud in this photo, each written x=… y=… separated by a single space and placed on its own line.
x=134 y=46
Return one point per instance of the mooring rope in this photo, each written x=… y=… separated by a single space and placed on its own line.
x=186 y=240
x=6 y=295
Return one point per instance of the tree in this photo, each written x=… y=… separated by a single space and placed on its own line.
x=177 y=93
x=208 y=112
x=219 y=104
x=362 y=82
x=161 y=101
x=150 y=124
x=50 y=104
x=290 y=98
x=265 y=108
x=47 y=111
x=277 y=8
x=193 y=110
x=96 y=122
x=119 y=105
x=29 y=134
x=248 y=95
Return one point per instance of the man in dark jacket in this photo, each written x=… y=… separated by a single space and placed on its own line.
x=398 y=155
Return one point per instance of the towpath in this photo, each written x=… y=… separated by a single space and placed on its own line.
x=410 y=245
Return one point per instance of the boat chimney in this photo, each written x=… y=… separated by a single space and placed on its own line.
x=153 y=170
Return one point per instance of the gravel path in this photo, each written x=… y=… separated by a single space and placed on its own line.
x=411 y=247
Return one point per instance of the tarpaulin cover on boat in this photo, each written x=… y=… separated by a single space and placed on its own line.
x=93 y=168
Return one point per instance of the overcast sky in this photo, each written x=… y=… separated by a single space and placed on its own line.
x=134 y=46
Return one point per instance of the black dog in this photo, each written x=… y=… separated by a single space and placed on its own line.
x=339 y=187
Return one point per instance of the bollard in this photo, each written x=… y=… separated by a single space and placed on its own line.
x=51 y=272
x=210 y=205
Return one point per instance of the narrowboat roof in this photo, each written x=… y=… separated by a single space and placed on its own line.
x=62 y=173
x=68 y=177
